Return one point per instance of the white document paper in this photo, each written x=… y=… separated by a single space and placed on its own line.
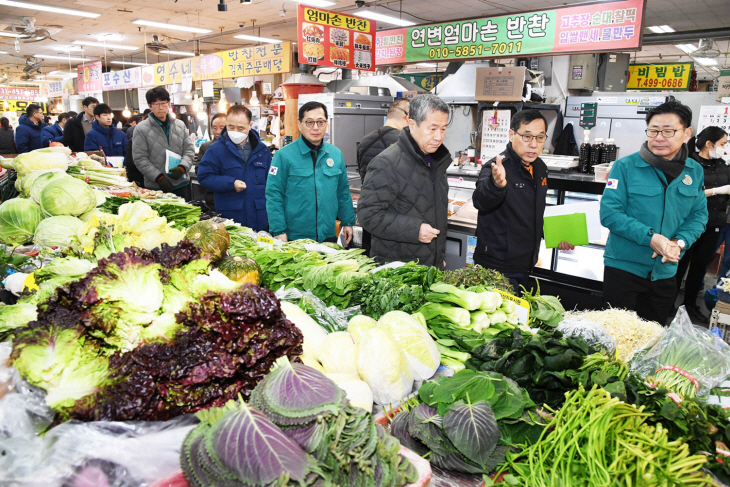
x=208 y=91
x=591 y=210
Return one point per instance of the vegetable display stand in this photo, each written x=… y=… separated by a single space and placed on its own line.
x=177 y=479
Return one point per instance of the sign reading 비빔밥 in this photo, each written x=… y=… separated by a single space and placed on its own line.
x=606 y=26
x=334 y=39
x=248 y=61
x=662 y=76
x=89 y=77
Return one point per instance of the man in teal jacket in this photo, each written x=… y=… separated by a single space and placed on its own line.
x=655 y=207
x=307 y=188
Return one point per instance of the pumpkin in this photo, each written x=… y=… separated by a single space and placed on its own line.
x=211 y=237
x=240 y=269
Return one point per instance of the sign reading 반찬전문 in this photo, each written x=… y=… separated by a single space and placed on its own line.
x=662 y=76
x=597 y=27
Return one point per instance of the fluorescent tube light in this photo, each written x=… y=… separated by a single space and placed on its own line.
x=163 y=25
x=48 y=8
x=128 y=63
x=367 y=14
x=108 y=46
x=255 y=38
x=705 y=61
x=178 y=53
x=317 y=3
x=65 y=58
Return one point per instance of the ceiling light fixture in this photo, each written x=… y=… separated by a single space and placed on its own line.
x=705 y=61
x=256 y=38
x=48 y=8
x=254 y=98
x=59 y=107
x=163 y=25
x=105 y=45
x=317 y=3
x=688 y=48
x=3 y=52
x=127 y=63
x=178 y=53
x=367 y=14
x=109 y=37
x=660 y=29
x=65 y=58
x=427 y=65
x=66 y=48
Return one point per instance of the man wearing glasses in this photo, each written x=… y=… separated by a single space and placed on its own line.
x=510 y=196
x=655 y=207
x=30 y=126
x=162 y=149
x=307 y=188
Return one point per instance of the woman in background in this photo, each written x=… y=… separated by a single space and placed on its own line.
x=7 y=137
x=708 y=148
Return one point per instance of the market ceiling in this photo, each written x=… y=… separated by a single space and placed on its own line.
x=276 y=19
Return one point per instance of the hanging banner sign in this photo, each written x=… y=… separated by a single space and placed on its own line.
x=89 y=77
x=334 y=39
x=248 y=61
x=662 y=76
x=20 y=93
x=54 y=88
x=20 y=105
x=606 y=26
x=122 y=80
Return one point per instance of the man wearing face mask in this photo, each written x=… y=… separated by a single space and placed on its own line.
x=235 y=169
x=654 y=205
x=710 y=150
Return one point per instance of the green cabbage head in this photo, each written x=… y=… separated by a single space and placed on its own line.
x=19 y=219
x=57 y=231
x=67 y=196
x=38 y=160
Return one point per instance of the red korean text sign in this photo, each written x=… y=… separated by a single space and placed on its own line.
x=597 y=27
x=334 y=39
x=18 y=93
x=89 y=77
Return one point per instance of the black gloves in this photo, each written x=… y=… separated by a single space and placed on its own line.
x=177 y=172
x=164 y=183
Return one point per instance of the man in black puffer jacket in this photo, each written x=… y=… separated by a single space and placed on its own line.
x=380 y=139
x=510 y=196
x=404 y=199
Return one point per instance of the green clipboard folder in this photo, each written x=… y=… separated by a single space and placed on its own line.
x=565 y=228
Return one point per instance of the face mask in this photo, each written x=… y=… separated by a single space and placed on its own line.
x=237 y=137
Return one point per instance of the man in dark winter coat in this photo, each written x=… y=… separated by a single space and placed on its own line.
x=235 y=168
x=54 y=133
x=510 y=196
x=28 y=133
x=378 y=140
x=104 y=134
x=404 y=199
x=76 y=129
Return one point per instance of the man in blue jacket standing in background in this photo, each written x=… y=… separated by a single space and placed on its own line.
x=655 y=207
x=307 y=189
x=28 y=133
x=235 y=168
x=54 y=133
x=103 y=135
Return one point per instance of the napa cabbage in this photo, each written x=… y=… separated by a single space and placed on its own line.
x=420 y=349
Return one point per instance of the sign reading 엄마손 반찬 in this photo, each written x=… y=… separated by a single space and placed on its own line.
x=597 y=27
x=661 y=76
x=335 y=39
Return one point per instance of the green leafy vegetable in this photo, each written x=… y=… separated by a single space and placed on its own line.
x=477 y=275
x=19 y=219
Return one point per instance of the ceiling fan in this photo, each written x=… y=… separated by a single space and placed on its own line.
x=30 y=33
x=156 y=45
x=706 y=49
x=32 y=65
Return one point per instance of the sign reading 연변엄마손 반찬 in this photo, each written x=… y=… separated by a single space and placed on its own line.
x=89 y=77
x=661 y=76
x=248 y=61
x=595 y=27
x=335 y=39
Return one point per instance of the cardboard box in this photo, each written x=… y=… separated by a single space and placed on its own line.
x=723 y=85
x=500 y=84
x=408 y=95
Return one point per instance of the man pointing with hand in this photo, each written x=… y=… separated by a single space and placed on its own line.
x=510 y=196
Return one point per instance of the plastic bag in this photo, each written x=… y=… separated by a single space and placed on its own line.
x=74 y=454
x=329 y=317
x=688 y=360
x=594 y=333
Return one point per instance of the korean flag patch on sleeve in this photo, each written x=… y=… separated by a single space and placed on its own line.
x=273 y=170
x=612 y=184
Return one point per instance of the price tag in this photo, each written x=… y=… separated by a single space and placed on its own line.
x=265 y=242
x=29 y=282
x=522 y=307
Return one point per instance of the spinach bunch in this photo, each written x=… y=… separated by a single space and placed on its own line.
x=546 y=312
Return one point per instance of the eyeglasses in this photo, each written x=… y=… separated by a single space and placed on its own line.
x=404 y=111
x=319 y=123
x=162 y=104
x=666 y=133
x=529 y=138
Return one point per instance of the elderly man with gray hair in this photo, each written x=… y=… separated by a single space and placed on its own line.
x=404 y=198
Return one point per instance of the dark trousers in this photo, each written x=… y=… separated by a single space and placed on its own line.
x=697 y=258
x=652 y=300
x=186 y=192
x=518 y=280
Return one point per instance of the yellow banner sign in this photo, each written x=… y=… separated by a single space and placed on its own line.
x=665 y=76
x=20 y=105
x=247 y=61
x=335 y=19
